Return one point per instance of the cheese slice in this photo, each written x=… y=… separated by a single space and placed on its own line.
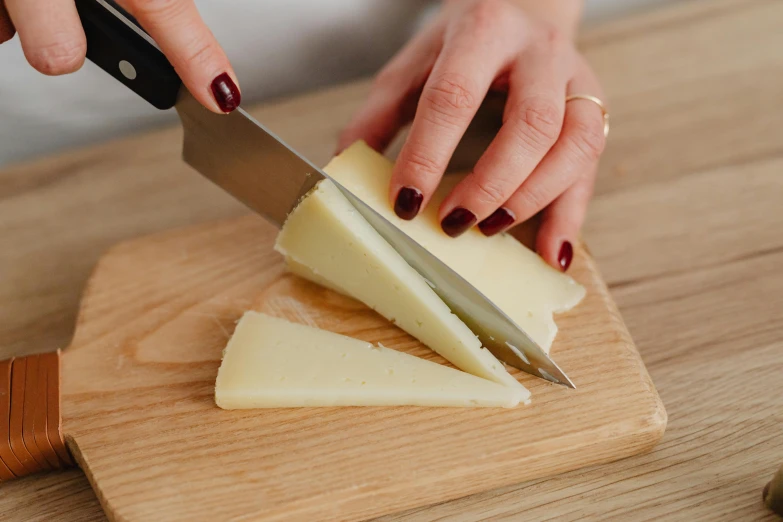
x=326 y=240
x=513 y=277
x=272 y=363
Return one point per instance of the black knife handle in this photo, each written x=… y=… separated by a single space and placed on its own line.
x=117 y=44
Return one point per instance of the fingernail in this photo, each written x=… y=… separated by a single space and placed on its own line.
x=458 y=221
x=408 y=203
x=226 y=93
x=497 y=222
x=566 y=255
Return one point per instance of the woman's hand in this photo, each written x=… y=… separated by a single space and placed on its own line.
x=546 y=153
x=54 y=43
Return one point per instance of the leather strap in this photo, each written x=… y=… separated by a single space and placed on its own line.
x=30 y=424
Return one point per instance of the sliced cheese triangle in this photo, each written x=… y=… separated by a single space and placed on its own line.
x=513 y=277
x=326 y=240
x=272 y=363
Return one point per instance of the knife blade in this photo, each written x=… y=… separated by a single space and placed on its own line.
x=255 y=166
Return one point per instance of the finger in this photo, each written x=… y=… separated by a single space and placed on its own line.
x=395 y=91
x=574 y=156
x=178 y=29
x=51 y=34
x=532 y=122
x=459 y=80
x=561 y=222
x=7 y=29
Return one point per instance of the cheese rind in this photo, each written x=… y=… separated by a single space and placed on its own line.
x=273 y=363
x=513 y=277
x=326 y=240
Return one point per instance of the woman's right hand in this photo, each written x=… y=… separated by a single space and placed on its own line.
x=54 y=43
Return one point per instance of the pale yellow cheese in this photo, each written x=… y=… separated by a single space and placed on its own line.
x=516 y=279
x=326 y=240
x=272 y=363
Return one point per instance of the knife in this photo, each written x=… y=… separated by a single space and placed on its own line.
x=251 y=163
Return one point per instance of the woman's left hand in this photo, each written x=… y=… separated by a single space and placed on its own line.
x=543 y=158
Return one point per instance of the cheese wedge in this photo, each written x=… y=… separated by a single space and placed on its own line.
x=513 y=277
x=324 y=239
x=272 y=363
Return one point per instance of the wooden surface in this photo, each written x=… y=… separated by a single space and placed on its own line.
x=685 y=226
x=139 y=413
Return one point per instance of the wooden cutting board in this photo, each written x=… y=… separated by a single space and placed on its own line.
x=139 y=417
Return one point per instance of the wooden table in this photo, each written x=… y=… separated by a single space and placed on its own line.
x=687 y=226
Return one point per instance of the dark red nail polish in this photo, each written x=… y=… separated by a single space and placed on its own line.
x=408 y=203
x=226 y=93
x=458 y=221
x=566 y=255
x=497 y=222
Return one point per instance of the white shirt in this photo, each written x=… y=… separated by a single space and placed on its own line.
x=277 y=47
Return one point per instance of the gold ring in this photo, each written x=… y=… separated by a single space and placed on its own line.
x=598 y=102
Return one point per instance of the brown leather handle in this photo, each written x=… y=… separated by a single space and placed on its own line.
x=773 y=493
x=30 y=424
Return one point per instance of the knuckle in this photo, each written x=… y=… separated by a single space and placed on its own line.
x=484 y=14
x=61 y=57
x=484 y=22
x=490 y=191
x=159 y=9
x=390 y=81
x=385 y=77
x=531 y=200
x=587 y=139
x=557 y=48
x=553 y=38
x=541 y=122
x=448 y=102
x=200 y=52
x=584 y=187
x=420 y=166
x=452 y=92
x=346 y=135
